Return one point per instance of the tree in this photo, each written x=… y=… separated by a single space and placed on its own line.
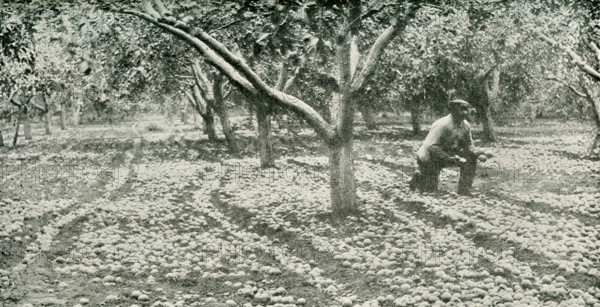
x=17 y=62
x=350 y=79
x=581 y=47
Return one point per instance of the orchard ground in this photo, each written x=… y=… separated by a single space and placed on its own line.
x=154 y=215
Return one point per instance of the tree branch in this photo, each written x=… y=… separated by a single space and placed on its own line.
x=203 y=105
x=203 y=82
x=484 y=74
x=596 y=51
x=574 y=56
x=37 y=106
x=595 y=105
x=283 y=72
x=238 y=72
x=202 y=48
x=377 y=49
x=569 y=86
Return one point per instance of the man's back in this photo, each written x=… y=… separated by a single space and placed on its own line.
x=445 y=135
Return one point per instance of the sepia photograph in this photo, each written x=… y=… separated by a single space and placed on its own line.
x=298 y=153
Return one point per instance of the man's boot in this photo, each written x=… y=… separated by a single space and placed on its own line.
x=415 y=182
x=467 y=176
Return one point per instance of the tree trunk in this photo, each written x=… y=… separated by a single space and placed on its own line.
x=368 y=117
x=249 y=119
x=532 y=112
x=1 y=138
x=63 y=117
x=595 y=146
x=493 y=97
x=415 y=119
x=76 y=111
x=195 y=119
x=488 y=124
x=341 y=179
x=15 y=138
x=209 y=125
x=221 y=109
x=341 y=160
x=27 y=125
x=48 y=124
x=263 y=117
x=184 y=116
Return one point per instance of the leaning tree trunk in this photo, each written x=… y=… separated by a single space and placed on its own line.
x=493 y=96
x=63 y=117
x=27 y=125
x=221 y=109
x=263 y=117
x=415 y=119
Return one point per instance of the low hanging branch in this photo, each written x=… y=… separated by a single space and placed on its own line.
x=569 y=86
x=229 y=65
x=577 y=60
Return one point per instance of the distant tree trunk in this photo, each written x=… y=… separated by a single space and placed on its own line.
x=488 y=124
x=63 y=117
x=184 y=116
x=15 y=138
x=1 y=138
x=48 y=125
x=47 y=116
x=493 y=96
x=249 y=119
x=532 y=112
x=209 y=125
x=415 y=119
x=221 y=109
x=27 y=125
x=195 y=119
x=368 y=117
x=265 y=140
x=76 y=112
x=595 y=146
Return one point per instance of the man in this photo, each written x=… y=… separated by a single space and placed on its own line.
x=449 y=143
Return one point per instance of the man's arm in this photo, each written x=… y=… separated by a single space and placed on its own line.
x=471 y=147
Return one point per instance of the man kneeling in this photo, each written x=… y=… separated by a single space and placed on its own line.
x=449 y=143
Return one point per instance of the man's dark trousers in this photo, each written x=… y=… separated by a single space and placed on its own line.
x=428 y=179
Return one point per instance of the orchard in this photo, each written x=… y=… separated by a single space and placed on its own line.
x=260 y=153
